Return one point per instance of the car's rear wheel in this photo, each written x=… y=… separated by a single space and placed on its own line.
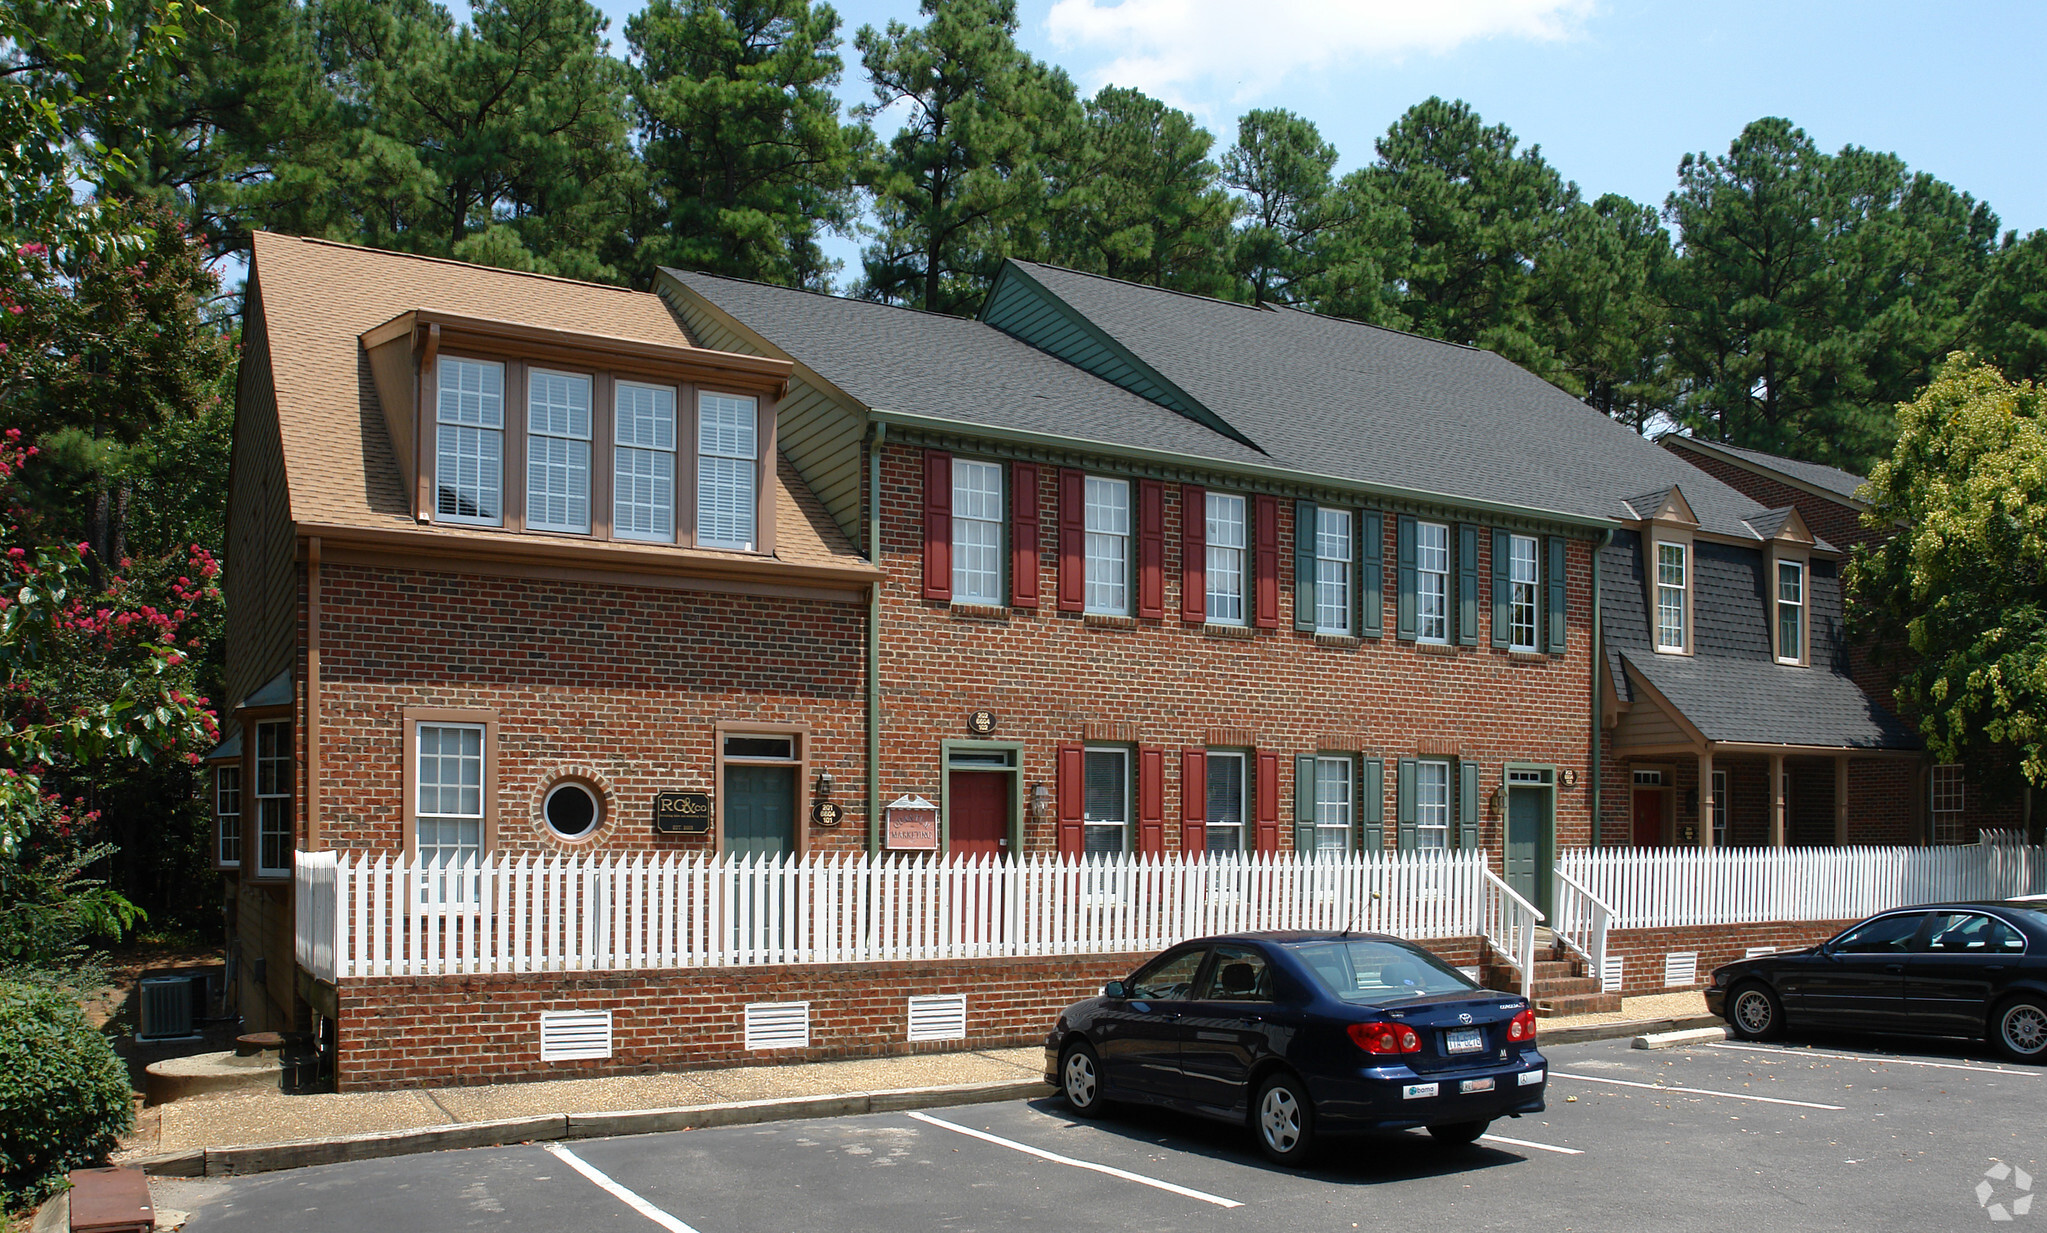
x=1080 y=1080
x=1755 y=1013
x=1459 y=1132
x=2019 y=1029
x=1284 y=1120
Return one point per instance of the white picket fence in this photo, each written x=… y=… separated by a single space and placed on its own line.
x=379 y=915
x=1635 y=888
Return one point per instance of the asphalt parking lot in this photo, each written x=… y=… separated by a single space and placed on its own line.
x=1817 y=1133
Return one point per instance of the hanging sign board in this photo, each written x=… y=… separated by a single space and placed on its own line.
x=682 y=813
x=911 y=825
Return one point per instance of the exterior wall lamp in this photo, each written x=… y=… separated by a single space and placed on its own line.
x=824 y=785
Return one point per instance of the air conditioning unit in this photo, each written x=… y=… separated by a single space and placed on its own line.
x=170 y=1006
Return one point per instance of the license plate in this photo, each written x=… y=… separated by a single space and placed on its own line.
x=1467 y=1040
x=1476 y=1085
x=1417 y=1091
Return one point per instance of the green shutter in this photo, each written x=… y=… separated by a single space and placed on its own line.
x=1467 y=584
x=1372 y=804
x=1406 y=629
x=1467 y=804
x=1559 y=594
x=1371 y=586
x=1304 y=804
x=1304 y=566
x=1502 y=589
x=1405 y=803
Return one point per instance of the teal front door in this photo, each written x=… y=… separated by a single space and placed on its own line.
x=1526 y=835
x=760 y=810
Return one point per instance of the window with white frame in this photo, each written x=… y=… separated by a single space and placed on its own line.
x=1522 y=600
x=1332 y=571
x=1225 y=559
x=1106 y=800
x=1225 y=795
x=557 y=451
x=1432 y=582
x=1108 y=546
x=1947 y=788
x=1333 y=803
x=448 y=804
x=728 y=457
x=273 y=799
x=1790 y=612
x=1719 y=809
x=1432 y=805
x=227 y=813
x=469 y=441
x=1671 y=583
x=643 y=462
x=976 y=532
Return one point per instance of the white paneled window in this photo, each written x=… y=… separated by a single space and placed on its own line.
x=1106 y=799
x=1225 y=559
x=1432 y=582
x=976 y=532
x=273 y=799
x=1521 y=592
x=728 y=461
x=1945 y=784
x=1332 y=570
x=1225 y=801
x=1108 y=546
x=1671 y=582
x=469 y=442
x=643 y=462
x=1432 y=805
x=557 y=451
x=1719 y=809
x=1333 y=804
x=227 y=812
x=1790 y=612
x=449 y=804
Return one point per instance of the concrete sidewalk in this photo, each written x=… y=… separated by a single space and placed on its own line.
x=246 y=1132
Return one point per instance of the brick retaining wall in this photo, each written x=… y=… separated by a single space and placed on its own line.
x=1642 y=951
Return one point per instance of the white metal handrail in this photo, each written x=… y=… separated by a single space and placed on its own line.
x=1509 y=924
x=1582 y=921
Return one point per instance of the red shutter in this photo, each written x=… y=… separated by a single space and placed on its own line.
x=1268 y=802
x=1151 y=802
x=1072 y=795
x=1023 y=534
x=937 y=524
x=1193 y=801
x=1268 y=562
x=1072 y=540
x=1193 y=553
x=1151 y=549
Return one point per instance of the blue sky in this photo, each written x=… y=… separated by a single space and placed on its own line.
x=1614 y=92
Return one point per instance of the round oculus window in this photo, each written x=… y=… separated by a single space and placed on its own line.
x=571 y=810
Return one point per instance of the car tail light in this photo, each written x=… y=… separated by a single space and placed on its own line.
x=1386 y=1037
x=1522 y=1029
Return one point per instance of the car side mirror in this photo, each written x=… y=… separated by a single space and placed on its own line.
x=1114 y=989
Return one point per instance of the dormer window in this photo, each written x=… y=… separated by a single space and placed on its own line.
x=557 y=451
x=728 y=456
x=643 y=467
x=469 y=469
x=1672 y=581
x=1791 y=612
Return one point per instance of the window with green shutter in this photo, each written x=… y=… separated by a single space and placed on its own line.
x=1404 y=804
x=1467 y=585
x=1467 y=805
x=1558 y=596
x=1502 y=600
x=1305 y=602
x=1371 y=804
x=1305 y=788
x=1371 y=586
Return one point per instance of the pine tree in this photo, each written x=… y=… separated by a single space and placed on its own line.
x=1282 y=167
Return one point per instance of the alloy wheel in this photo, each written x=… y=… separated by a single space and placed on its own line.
x=1752 y=1008
x=1279 y=1119
x=1081 y=1083
x=2024 y=1027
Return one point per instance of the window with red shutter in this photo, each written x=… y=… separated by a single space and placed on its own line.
x=1151 y=549
x=1072 y=540
x=1151 y=802
x=1268 y=562
x=937 y=525
x=1193 y=554
x=1023 y=535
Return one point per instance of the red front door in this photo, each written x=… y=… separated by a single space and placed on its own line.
x=979 y=813
x=1648 y=817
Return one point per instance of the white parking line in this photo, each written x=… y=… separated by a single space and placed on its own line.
x=1697 y=1091
x=1056 y=1158
x=1887 y=1061
x=1540 y=1147
x=617 y=1191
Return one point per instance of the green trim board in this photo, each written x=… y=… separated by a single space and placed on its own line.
x=946 y=749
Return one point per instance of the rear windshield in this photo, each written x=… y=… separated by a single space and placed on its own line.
x=1363 y=970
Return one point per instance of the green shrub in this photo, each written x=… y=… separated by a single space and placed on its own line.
x=64 y=1096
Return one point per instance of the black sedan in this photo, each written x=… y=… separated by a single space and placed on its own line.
x=1300 y=1035
x=1944 y=969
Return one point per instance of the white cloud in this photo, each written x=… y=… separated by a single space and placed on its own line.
x=1177 y=49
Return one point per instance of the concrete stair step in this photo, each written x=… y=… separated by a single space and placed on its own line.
x=1577 y=1004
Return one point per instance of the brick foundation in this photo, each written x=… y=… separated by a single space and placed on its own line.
x=1642 y=951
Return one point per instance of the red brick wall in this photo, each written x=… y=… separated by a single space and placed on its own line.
x=1642 y=951
x=1882 y=798
x=1838 y=524
x=398 y=1032
x=1048 y=674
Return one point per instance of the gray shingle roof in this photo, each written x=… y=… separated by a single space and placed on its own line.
x=897 y=359
x=1832 y=479
x=1339 y=398
x=1732 y=699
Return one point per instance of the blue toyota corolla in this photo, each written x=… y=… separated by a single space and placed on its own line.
x=1302 y=1035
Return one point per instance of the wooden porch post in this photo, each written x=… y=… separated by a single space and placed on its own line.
x=1840 y=800
x=1778 y=822
x=1706 y=798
